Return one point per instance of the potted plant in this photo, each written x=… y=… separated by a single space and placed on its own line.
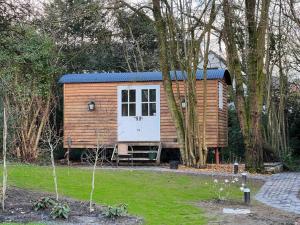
x=152 y=154
x=174 y=164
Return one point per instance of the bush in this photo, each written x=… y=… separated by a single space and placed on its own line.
x=43 y=203
x=43 y=158
x=116 y=211
x=291 y=162
x=235 y=148
x=60 y=210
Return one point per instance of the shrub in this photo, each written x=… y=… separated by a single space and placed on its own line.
x=60 y=210
x=116 y=211
x=43 y=203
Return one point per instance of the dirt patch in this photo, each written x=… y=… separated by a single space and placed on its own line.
x=221 y=168
x=260 y=214
x=19 y=204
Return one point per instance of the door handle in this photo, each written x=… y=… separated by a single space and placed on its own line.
x=140 y=118
x=137 y=118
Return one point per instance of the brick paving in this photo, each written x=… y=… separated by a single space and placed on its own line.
x=281 y=191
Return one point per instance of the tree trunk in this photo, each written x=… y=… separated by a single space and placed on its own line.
x=204 y=149
x=94 y=171
x=249 y=108
x=53 y=170
x=160 y=25
x=4 y=182
x=179 y=48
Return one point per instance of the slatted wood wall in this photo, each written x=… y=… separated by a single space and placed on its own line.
x=81 y=125
x=223 y=119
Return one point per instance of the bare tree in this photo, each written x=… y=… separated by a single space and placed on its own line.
x=99 y=148
x=185 y=40
x=249 y=106
x=52 y=139
x=4 y=182
x=180 y=28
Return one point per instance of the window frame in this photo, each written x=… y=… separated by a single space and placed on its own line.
x=220 y=95
x=148 y=102
x=128 y=103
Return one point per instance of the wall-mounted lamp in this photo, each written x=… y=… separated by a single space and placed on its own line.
x=183 y=103
x=91 y=106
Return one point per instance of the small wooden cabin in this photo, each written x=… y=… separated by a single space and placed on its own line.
x=132 y=108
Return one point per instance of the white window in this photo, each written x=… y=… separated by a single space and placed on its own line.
x=128 y=103
x=148 y=102
x=220 y=95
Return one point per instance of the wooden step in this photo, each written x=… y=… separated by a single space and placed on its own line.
x=140 y=143
x=136 y=159
x=137 y=151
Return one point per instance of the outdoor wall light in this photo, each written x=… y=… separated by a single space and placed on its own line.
x=91 y=106
x=183 y=103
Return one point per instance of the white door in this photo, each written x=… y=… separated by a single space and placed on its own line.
x=139 y=113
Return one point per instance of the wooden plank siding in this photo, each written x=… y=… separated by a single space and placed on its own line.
x=81 y=125
x=223 y=118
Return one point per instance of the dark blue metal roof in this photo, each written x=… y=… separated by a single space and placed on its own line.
x=212 y=74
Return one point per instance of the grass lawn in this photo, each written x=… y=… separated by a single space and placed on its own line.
x=160 y=198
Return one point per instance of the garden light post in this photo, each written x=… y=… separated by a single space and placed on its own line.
x=244 y=177
x=247 y=196
x=235 y=168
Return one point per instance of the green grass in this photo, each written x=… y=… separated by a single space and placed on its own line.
x=160 y=198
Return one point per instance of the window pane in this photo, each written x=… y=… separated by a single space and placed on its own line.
x=124 y=95
x=124 y=109
x=152 y=95
x=145 y=109
x=132 y=109
x=144 y=95
x=152 y=109
x=132 y=95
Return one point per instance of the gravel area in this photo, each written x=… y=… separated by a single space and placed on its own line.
x=260 y=214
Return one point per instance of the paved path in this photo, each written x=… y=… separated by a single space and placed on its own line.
x=281 y=191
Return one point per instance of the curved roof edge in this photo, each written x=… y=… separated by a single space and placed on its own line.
x=227 y=77
x=212 y=74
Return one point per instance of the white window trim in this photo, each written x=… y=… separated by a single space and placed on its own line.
x=220 y=95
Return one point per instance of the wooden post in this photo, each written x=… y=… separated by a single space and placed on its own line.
x=69 y=140
x=217 y=156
